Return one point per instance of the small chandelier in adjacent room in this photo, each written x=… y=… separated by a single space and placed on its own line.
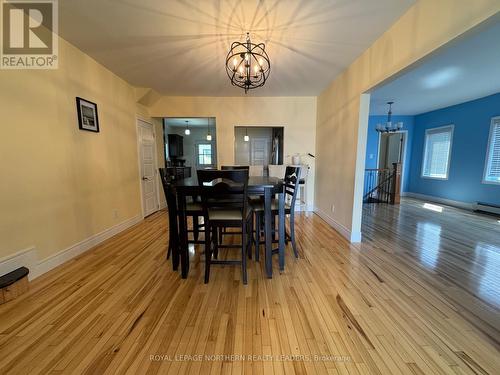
x=247 y=64
x=389 y=127
x=209 y=136
x=246 y=138
x=187 y=131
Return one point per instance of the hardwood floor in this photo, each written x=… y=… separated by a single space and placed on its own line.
x=421 y=294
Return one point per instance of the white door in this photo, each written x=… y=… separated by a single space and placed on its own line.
x=259 y=151
x=147 y=165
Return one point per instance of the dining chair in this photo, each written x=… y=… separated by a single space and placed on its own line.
x=222 y=231
x=277 y=171
x=291 y=187
x=173 y=228
x=256 y=170
x=193 y=210
x=225 y=205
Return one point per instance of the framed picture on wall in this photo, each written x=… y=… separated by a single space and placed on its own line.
x=87 y=115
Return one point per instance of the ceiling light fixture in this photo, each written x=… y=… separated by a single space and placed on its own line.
x=389 y=127
x=247 y=64
x=246 y=138
x=187 y=131
x=209 y=136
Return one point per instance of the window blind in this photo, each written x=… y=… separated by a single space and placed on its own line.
x=437 y=152
x=493 y=157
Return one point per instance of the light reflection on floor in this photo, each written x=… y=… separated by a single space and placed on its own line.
x=488 y=268
x=433 y=207
x=428 y=241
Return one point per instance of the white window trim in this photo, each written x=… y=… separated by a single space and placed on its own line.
x=485 y=172
x=434 y=130
x=197 y=160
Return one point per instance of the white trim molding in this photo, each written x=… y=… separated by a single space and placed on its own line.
x=29 y=257
x=495 y=121
x=23 y=258
x=440 y=129
x=449 y=202
x=352 y=237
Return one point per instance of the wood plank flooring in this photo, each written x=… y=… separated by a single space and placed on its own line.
x=421 y=294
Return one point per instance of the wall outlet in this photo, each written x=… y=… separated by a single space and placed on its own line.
x=333 y=208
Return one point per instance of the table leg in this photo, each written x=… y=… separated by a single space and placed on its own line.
x=268 y=232
x=281 y=230
x=183 y=240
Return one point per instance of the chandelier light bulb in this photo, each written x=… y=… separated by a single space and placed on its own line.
x=209 y=137
x=187 y=131
x=246 y=138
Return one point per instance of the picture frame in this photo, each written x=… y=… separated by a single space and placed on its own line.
x=88 y=118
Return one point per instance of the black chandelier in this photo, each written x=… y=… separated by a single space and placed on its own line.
x=389 y=127
x=247 y=64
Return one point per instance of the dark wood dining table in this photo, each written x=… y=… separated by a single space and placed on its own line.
x=257 y=186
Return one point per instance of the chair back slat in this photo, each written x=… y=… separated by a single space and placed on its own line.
x=228 y=191
x=291 y=185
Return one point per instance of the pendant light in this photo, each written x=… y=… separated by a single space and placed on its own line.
x=209 y=136
x=389 y=126
x=246 y=138
x=187 y=131
x=247 y=64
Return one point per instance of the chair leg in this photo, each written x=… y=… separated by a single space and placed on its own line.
x=257 y=237
x=221 y=234
x=292 y=235
x=216 y=242
x=196 y=227
x=250 y=237
x=208 y=254
x=243 y=251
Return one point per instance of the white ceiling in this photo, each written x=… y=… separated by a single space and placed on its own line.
x=193 y=121
x=178 y=47
x=467 y=69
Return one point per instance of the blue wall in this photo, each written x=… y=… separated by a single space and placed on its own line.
x=468 y=152
x=373 y=139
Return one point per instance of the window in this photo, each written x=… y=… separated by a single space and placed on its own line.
x=437 y=152
x=492 y=168
x=204 y=154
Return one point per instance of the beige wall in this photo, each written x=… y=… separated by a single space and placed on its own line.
x=296 y=114
x=341 y=110
x=61 y=185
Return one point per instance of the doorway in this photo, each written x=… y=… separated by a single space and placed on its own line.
x=392 y=149
x=258 y=145
x=260 y=149
x=147 y=167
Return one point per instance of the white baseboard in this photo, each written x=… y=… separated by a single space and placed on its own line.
x=304 y=208
x=24 y=258
x=345 y=232
x=29 y=257
x=459 y=204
